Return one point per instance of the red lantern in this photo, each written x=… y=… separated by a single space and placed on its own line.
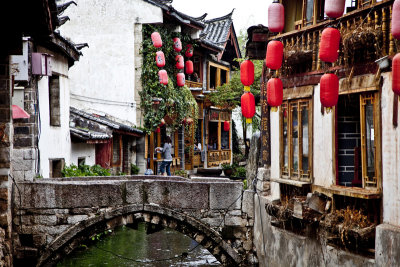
x=329 y=90
x=226 y=126
x=163 y=77
x=247 y=74
x=189 y=50
x=274 y=55
x=180 y=62
x=334 y=8
x=276 y=17
x=274 y=92
x=156 y=39
x=180 y=79
x=329 y=45
x=158 y=130
x=177 y=44
x=248 y=104
x=160 y=59
x=396 y=74
x=189 y=67
x=396 y=19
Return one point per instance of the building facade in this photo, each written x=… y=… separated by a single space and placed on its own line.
x=332 y=170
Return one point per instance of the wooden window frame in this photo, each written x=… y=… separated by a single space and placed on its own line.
x=375 y=100
x=218 y=74
x=289 y=173
x=116 y=164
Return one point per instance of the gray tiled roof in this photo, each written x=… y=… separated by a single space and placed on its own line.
x=105 y=121
x=86 y=134
x=217 y=31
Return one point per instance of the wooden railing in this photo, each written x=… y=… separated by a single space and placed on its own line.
x=217 y=157
x=191 y=84
x=365 y=36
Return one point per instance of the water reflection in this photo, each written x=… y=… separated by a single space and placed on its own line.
x=138 y=246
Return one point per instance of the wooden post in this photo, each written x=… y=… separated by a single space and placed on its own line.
x=151 y=151
x=391 y=39
x=385 y=32
x=219 y=132
x=265 y=156
x=159 y=144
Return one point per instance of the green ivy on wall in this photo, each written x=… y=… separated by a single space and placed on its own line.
x=176 y=102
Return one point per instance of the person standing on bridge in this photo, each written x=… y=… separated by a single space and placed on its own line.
x=166 y=150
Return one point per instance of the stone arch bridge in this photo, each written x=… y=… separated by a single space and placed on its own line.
x=51 y=217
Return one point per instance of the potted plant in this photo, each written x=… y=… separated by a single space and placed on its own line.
x=228 y=169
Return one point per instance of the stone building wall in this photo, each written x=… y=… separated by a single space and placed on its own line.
x=6 y=135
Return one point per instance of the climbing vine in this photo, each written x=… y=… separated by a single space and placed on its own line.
x=176 y=103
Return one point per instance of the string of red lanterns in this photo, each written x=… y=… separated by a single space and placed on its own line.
x=247 y=74
x=226 y=126
x=274 y=93
x=329 y=90
x=274 y=55
x=248 y=105
x=276 y=17
x=396 y=74
x=247 y=100
x=180 y=62
x=189 y=67
x=396 y=60
x=177 y=44
x=334 y=8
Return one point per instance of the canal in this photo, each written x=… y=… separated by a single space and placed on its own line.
x=127 y=247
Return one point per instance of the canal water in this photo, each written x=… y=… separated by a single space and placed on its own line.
x=127 y=247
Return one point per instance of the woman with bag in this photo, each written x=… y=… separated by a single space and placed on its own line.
x=166 y=150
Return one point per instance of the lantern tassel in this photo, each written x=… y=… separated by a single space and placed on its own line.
x=328 y=110
x=247 y=88
x=249 y=120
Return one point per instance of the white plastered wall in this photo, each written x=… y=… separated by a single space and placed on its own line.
x=54 y=142
x=83 y=150
x=275 y=153
x=323 y=162
x=390 y=155
x=104 y=78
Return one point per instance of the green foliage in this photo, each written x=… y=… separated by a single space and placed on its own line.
x=226 y=166
x=134 y=169
x=84 y=170
x=245 y=186
x=239 y=172
x=181 y=173
x=177 y=102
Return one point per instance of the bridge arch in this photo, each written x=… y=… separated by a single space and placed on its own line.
x=210 y=239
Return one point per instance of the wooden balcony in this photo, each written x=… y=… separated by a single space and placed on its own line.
x=217 y=157
x=365 y=36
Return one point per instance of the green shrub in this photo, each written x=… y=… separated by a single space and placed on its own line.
x=226 y=166
x=134 y=169
x=84 y=170
x=181 y=173
x=239 y=172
